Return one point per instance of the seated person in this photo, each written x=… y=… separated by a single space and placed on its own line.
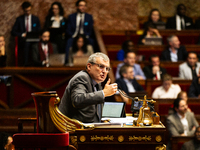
x=181 y=122
x=130 y=58
x=193 y=144
x=175 y=52
x=189 y=70
x=154 y=71
x=23 y=24
x=127 y=82
x=56 y=23
x=126 y=46
x=154 y=17
x=180 y=21
x=42 y=50
x=2 y=52
x=80 y=47
x=183 y=95
x=150 y=31
x=167 y=89
x=194 y=90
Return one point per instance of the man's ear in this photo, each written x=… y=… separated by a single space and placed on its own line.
x=89 y=66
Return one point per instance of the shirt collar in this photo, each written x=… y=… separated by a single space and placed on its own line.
x=171 y=50
x=181 y=117
x=191 y=66
x=53 y=18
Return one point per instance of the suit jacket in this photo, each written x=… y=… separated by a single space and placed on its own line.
x=80 y=101
x=171 y=22
x=87 y=25
x=148 y=72
x=194 y=89
x=19 y=26
x=36 y=60
x=185 y=71
x=122 y=84
x=182 y=54
x=191 y=145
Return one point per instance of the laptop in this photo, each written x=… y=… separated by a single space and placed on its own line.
x=113 y=110
x=160 y=25
x=32 y=37
x=153 y=41
x=80 y=60
x=57 y=60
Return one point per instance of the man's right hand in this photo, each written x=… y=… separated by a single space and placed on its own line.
x=109 y=89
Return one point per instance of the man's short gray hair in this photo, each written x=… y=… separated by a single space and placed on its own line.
x=169 y=38
x=92 y=58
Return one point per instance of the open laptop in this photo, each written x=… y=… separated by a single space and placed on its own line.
x=32 y=37
x=113 y=110
x=80 y=60
x=57 y=60
x=153 y=41
x=160 y=25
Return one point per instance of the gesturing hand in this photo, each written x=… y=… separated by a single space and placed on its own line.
x=109 y=89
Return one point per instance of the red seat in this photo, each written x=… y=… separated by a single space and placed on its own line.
x=41 y=140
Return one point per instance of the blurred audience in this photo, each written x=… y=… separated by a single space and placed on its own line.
x=154 y=71
x=175 y=52
x=193 y=144
x=56 y=23
x=180 y=21
x=42 y=50
x=190 y=69
x=24 y=24
x=130 y=59
x=128 y=45
x=155 y=18
x=79 y=23
x=194 y=90
x=150 y=31
x=167 y=89
x=80 y=47
x=2 y=52
x=181 y=122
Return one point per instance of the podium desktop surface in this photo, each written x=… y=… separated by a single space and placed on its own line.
x=116 y=137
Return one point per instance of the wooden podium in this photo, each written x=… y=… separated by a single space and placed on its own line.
x=117 y=137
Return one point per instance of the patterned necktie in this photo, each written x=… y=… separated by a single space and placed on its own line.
x=45 y=52
x=99 y=109
x=27 y=24
x=80 y=24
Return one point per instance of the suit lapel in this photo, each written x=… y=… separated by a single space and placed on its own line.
x=179 y=124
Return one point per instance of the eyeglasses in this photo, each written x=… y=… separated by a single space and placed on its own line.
x=101 y=66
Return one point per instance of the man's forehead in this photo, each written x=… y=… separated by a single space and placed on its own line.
x=102 y=61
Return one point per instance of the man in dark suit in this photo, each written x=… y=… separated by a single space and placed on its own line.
x=194 y=90
x=180 y=21
x=23 y=24
x=181 y=122
x=42 y=50
x=79 y=23
x=83 y=97
x=175 y=52
x=154 y=71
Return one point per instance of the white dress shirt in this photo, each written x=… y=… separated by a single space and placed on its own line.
x=160 y=92
x=129 y=85
x=174 y=56
x=178 y=22
x=78 y=17
x=184 y=123
x=56 y=24
x=29 y=22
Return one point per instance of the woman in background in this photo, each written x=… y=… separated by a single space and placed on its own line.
x=126 y=46
x=154 y=17
x=56 y=23
x=80 y=47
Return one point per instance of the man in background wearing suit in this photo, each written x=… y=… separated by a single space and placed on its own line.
x=180 y=21
x=83 y=97
x=41 y=51
x=190 y=69
x=175 y=52
x=181 y=122
x=79 y=23
x=23 y=24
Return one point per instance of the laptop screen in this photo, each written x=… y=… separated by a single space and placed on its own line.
x=114 y=109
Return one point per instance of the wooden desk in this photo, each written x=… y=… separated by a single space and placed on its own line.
x=121 y=138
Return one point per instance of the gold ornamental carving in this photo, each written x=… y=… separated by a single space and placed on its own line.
x=102 y=138
x=82 y=138
x=158 y=138
x=139 y=138
x=121 y=138
x=161 y=147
